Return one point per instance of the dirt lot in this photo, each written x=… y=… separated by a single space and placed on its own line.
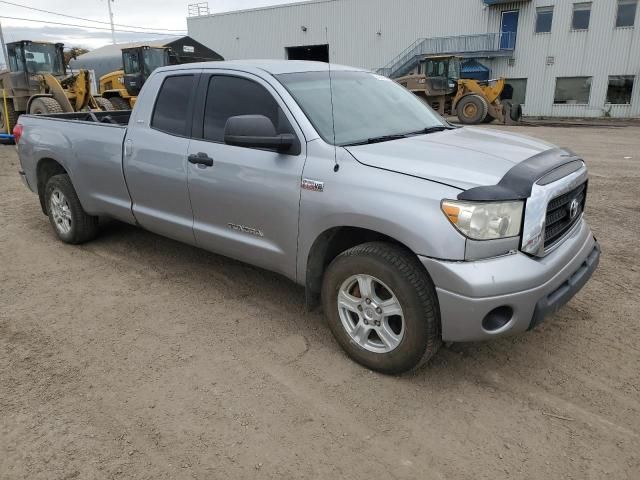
x=136 y=356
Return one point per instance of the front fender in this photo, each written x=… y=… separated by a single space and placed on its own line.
x=402 y=207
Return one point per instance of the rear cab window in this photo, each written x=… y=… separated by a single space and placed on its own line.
x=171 y=113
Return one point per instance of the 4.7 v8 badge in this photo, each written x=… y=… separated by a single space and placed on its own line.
x=244 y=229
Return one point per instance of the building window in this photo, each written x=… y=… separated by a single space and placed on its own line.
x=620 y=89
x=544 y=19
x=581 y=16
x=573 y=90
x=518 y=87
x=626 y=13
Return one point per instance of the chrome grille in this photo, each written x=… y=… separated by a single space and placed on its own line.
x=564 y=212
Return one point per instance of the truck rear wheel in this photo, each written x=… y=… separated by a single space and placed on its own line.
x=512 y=111
x=472 y=109
x=11 y=116
x=119 y=103
x=69 y=220
x=516 y=112
x=104 y=104
x=381 y=307
x=44 y=105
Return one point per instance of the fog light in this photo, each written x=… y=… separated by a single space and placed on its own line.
x=497 y=318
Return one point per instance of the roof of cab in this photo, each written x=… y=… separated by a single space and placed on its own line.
x=274 y=67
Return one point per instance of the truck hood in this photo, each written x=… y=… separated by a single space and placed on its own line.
x=463 y=158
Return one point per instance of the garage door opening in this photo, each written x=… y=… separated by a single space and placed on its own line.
x=316 y=53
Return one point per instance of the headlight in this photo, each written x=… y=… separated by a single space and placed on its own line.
x=485 y=220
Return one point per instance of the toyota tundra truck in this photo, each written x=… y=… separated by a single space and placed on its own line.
x=407 y=230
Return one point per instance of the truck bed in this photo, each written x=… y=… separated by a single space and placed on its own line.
x=89 y=146
x=116 y=117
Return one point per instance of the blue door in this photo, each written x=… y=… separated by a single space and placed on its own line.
x=509 y=29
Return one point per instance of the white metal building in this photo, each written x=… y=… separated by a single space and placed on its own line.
x=568 y=58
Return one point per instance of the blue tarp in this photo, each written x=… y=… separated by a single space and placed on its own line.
x=475 y=70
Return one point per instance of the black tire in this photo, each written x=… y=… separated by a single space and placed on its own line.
x=104 y=104
x=119 y=103
x=44 y=105
x=401 y=271
x=12 y=116
x=488 y=119
x=516 y=112
x=83 y=227
x=472 y=110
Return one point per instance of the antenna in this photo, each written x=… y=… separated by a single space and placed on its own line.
x=336 y=167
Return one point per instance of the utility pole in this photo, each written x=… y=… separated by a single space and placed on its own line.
x=4 y=48
x=113 y=32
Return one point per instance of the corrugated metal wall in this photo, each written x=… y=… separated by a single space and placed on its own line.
x=369 y=33
x=599 y=52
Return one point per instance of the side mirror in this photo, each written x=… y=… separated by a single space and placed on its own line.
x=256 y=131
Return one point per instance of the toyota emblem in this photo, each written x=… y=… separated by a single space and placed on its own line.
x=574 y=209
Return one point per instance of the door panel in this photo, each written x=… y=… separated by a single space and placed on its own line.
x=246 y=205
x=157 y=180
x=509 y=29
x=156 y=162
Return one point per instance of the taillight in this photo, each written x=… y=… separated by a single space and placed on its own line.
x=17 y=132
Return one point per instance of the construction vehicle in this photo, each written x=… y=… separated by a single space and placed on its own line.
x=438 y=81
x=37 y=82
x=122 y=87
x=111 y=87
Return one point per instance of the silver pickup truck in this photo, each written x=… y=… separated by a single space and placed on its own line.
x=408 y=230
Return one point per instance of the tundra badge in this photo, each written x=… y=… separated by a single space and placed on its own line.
x=312 y=185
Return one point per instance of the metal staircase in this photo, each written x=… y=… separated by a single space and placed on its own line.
x=484 y=45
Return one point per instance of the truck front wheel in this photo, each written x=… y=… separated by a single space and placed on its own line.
x=44 y=106
x=381 y=307
x=472 y=110
x=69 y=220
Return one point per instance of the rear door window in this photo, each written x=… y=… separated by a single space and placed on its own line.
x=171 y=113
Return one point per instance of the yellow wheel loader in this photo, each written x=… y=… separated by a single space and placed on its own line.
x=112 y=88
x=37 y=82
x=438 y=81
x=122 y=87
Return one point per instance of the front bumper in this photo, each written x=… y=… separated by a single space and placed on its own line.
x=521 y=289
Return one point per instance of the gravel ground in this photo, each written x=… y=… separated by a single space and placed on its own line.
x=137 y=357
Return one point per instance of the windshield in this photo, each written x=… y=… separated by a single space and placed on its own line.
x=130 y=62
x=365 y=106
x=43 y=58
x=449 y=68
x=155 y=58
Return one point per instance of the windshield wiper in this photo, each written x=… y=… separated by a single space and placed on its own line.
x=434 y=129
x=387 y=138
x=380 y=139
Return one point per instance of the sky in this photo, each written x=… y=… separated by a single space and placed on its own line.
x=158 y=16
